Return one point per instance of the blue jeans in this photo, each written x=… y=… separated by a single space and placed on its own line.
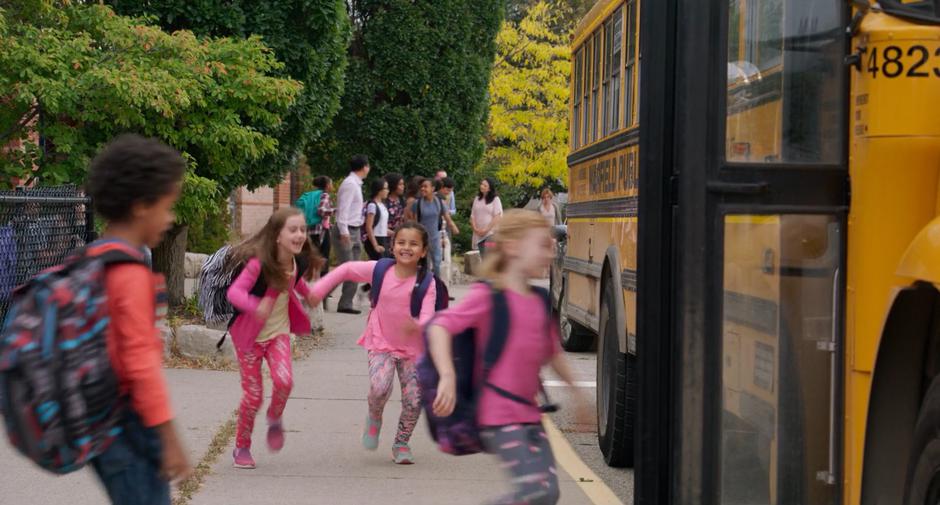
x=130 y=469
x=435 y=252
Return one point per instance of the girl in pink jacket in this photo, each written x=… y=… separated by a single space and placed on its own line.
x=278 y=261
x=392 y=337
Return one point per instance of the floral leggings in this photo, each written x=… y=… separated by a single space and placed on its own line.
x=382 y=367
x=527 y=456
x=277 y=352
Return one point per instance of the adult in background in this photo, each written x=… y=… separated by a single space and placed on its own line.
x=348 y=231
x=451 y=201
x=376 y=235
x=430 y=211
x=446 y=193
x=549 y=209
x=486 y=211
x=395 y=202
x=318 y=211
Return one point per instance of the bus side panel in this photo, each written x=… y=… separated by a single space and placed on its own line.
x=893 y=166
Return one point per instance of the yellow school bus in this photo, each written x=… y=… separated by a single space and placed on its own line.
x=596 y=294
x=793 y=176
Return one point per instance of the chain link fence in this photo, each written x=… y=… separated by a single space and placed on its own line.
x=38 y=227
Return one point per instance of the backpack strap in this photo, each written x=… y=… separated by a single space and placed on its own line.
x=499 y=331
x=420 y=291
x=303 y=263
x=378 y=276
x=113 y=251
x=497 y=342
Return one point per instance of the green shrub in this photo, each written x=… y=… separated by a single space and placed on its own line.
x=207 y=236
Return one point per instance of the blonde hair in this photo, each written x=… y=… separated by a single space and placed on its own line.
x=514 y=224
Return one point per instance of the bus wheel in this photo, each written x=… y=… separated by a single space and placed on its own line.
x=574 y=337
x=923 y=473
x=616 y=389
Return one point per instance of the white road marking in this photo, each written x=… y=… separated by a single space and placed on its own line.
x=563 y=384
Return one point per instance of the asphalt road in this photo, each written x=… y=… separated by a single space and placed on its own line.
x=583 y=436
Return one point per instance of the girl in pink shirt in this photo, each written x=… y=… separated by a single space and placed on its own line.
x=391 y=336
x=278 y=261
x=523 y=250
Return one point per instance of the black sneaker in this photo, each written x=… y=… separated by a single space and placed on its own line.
x=349 y=311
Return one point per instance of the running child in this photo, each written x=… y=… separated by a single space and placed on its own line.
x=134 y=183
x=278 y=261
x=509 y=429
x=392 y=339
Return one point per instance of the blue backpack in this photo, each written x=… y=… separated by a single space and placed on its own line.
x=425 y=278
x=459 y=434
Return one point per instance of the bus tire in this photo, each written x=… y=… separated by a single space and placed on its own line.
x=616 y=389
x=923 y=472
x=574 y=337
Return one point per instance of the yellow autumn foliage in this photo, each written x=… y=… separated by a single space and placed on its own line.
x=527 y=138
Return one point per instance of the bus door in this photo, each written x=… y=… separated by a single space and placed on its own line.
x=761 y=206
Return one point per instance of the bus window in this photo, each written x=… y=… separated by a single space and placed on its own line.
x=586 y=96
x=629 y=64
x=596 y=84
x=576 y=116
x=613 y=51
x=784 y=78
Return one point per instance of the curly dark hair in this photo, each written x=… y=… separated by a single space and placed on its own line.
x=132 y=169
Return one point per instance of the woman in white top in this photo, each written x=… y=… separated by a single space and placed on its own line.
x=376 y=228
x=548 y=209
x=487 y=209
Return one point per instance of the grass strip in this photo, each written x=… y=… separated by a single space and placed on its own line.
x=220 y=442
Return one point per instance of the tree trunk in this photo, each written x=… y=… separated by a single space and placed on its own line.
x=169 y=258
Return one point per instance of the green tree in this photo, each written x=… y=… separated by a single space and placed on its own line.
x=77 y=74
x=527 y=140
x=309 y=36
x=415 y=98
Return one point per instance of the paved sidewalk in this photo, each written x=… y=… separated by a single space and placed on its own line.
x=323 y=461
x=202 y=401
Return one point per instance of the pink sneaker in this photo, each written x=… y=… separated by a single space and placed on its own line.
x=243 y=459
x=275 y=435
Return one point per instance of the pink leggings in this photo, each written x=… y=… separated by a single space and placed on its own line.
x=277 y=352
x=382 y=367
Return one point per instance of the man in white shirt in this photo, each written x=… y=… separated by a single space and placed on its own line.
x=348 y=229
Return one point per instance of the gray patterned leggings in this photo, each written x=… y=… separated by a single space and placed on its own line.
x=527 y=455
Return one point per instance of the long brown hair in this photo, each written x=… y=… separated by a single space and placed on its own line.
x=514 y=224
x=263 y=245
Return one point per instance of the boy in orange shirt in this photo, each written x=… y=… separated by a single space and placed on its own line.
x=134 y=183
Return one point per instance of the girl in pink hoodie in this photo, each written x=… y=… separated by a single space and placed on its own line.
x=392 y=337
x=278 y=261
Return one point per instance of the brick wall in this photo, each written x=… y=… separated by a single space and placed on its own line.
x=253 y=208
